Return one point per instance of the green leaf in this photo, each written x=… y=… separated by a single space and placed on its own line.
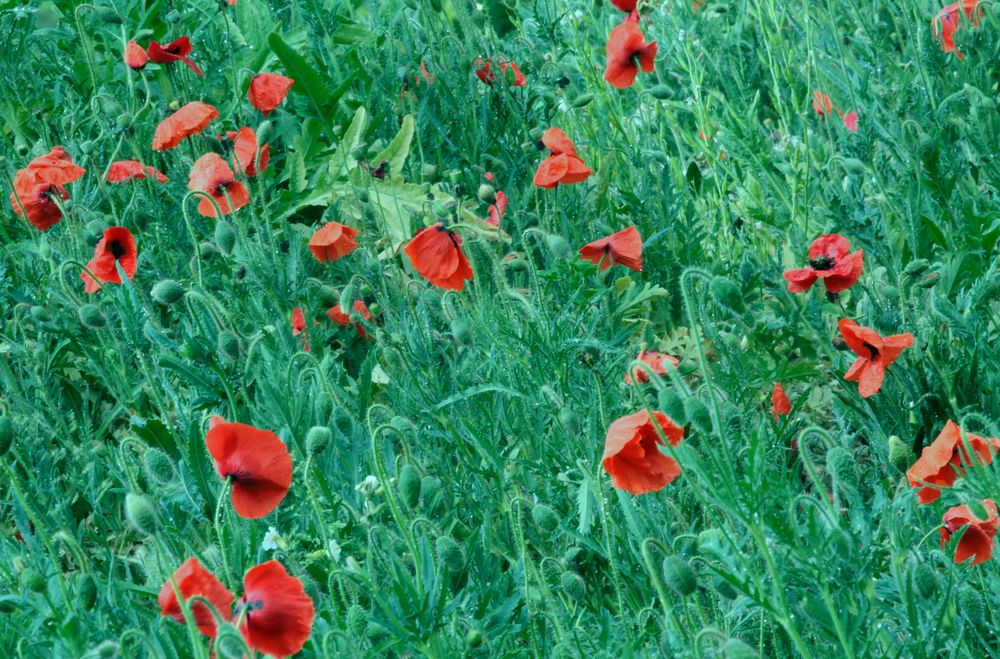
x=398 y=150
x=308 y=80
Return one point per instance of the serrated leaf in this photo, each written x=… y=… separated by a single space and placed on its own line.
x=308 y=80
x=398 y=149
x=584 y=508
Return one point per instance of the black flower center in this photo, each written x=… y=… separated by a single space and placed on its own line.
x=117 y=249
x=822 y=263
x=872 y=349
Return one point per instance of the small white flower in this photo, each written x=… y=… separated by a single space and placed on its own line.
x=690 y=100
x=271 y=538
x=368 y=486
x=680 y=35
x=334 y=551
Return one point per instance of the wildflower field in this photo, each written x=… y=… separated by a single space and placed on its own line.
x=512 y=328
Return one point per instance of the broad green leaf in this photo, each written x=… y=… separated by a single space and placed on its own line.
x=398 y=150
x=308 y=80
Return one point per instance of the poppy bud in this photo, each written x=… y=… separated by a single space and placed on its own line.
x=474 y=638
x=409 y=485
x=430 y=489
x=487 y=194
x=697 y=413
x=109 y=16
x=356 y=620
x=570 y=420
x=916 y=268
x=6 y=434
x=450 y=553
x=970 y=603
x=711 y=542
x=900 y=455
x=661 y=92
x=207 y=250
x=347 y=298
x=890 y=292
x=727 y=294
x=92 y=316
x=264 y=131
x=573 y=585
x=328 y=296
x=677 y=574
x=925 y=579
x=582 y=101
x=158 y=466
x=545 y=518
x=87 y=147
x=461 y=331
x=141 y=513
x=167 y=291
x=317 y=439
x=840 y=464
x=41 y=314
x=173 y=16
x=672 y=405
x=86 y=591
x=225 y=237
x=558 y=246
x=737 y=649
x=144 y=34
x=32 y=580
x=228 y=345
x=123 y=121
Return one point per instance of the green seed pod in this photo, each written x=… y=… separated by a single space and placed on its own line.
x=928 y=281
x=228 y=345
x=409 y=485
x=86 y=591
x=916 y=268
x=900 y=455
x=141 y=513
x=450 y=553
x=167 y=291
x=430 y=489
x=926 y=581
x=225 y=237
x=582 y=101
x=87 y=147
x=92 y=316
x=105 y=650
x=569 y=419
x=123 y=122
x=970 y=604
x=356 y=621
x=737 y=649
x=474 y=638
x=545 y=518
x=840 y=464
x=207 y=250
x=6 y=434
x=677 y=574
x=328 y=296
x=671 y=404
x=158 y=466
x=317 y=439
x=727 y=294
x=558 y=246
x=41 y=314
x=487 y=194
x=461 y=331
x=33 y=580
x=573 y=585
x=661 y=92
x=347 y=298
x=697 y=413
x=143 y=34
x=173 y=16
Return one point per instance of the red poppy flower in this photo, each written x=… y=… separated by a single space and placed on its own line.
x=211 y=174
x=189 y=120
x=947 y=21
x=55 y=167
x=941 y=463
x=426 y=75
x=337 y=315
x=875 y=354
x=244 y=143
x=116 y=246
x=498 y=208
x=512 y=74
x=332 y=241
x=977 y=540
x=299 y=327
x=268 y=91
x=277 y=615
x=176 y=50
x=436 y=253
x=129 y=170
x=781 y=405
x=851 y=122
x=627 y=52
x=632 y=455
x=563 y=166
x=35 y=200
x=828 y=260
x=135 y=56
x=194 y=580
x=622 y=248
x=258 y=464
x=656 y=361
x=625 y=5
x=821 y=103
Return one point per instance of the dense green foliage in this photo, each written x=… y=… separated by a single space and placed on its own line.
x=461 y=507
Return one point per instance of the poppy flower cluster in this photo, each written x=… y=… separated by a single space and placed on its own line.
x=823 y=107
x=945 y=23
x=563 y=165
x=39 y=188
x=341 y=317
x=632 y=455
x=274 y=615
x=486 y=71
x=628 y=53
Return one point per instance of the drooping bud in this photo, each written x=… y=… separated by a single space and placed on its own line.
x=678 y=575
x=158 y=466
x=141 y=513
x=167 y=291
x=317 y=439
